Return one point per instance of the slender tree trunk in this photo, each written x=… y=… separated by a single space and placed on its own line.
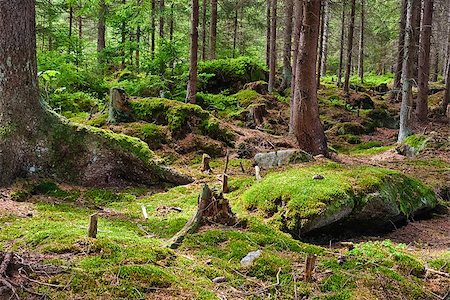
x=171 y=23
x=161 y=19
x=417 y=13
x=447 y=52
x=153 y=28
x=350 y=48
x=326 y=30
x=235 y=31
x=204 y=9
x=307 y=127
x=361 y=45
x=298 y=20
x=268 y=14
x=192 y=83
x=401 y=45
x=101 y=30
x=123 y=40
x=424 y=61
x=70 y=28
x=446 y=100
x=321 y=31
x=287 y=48
x=341 y=49
x=435 y=75
x=406 y=109
x=273 y=45
x=213 y=30
x=138 y=48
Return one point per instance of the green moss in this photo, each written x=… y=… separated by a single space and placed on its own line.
x=349 y=128
x=98 y=120
x=51 y=189
x=246 y=97
x=7 y=130
x=416 y=142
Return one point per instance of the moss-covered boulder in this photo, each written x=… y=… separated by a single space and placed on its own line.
x=361 y=197
x=279 y=158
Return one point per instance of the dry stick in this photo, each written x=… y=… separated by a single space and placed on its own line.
x=258 y=173
x=309 y=267
x=438 y=272
x=5 y=263
x=92 y=231
x=225 y=188
x=242 y=167
x=144 y=212
x=226 y=163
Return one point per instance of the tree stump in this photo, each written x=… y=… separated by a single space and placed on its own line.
x=258 y=173
x=212 y=209
x=309 y=267
x=119 y=107
x=92 y=231
x=205 y=164
x=257 y=113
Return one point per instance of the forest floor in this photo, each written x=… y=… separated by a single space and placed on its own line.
x=45 y=223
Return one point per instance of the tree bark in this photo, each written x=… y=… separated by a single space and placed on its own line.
x=446 y=100
x=213 y=30
x=298 y=19
x=361 y=45
x=287 y=48
x=417 y=12
x=268 y=14
x=153 y=28
x=138 y=49
x=171 y=23
x=101 y=29
x=326 y=31
x=424 y=61
x=406 y=109
x=192 y=83
x=447 y=52
x=123 y=40
x=273 y=45
x=308 y=128
x=204 y=9
x=350 y=48
x=319 y=60
x=161 y=19
x=235 y=30
x=341 y=49
x=401 y=45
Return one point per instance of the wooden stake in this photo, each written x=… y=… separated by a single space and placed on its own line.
x=205 y=163
x=226 y=163
x=92 y=232
x=144 y=212
x=242 y=167
x=258 y=173
x=309 y=267
x=225 y=188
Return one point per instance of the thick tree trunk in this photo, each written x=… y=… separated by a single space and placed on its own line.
x=298 y=20
x=192 y=83
x=287 y=48
x=204 y=9
x=350 y=48
x=326 y=32
x=307 y=127
x=341 y=49
x=161 y=19
x=268 y=14
x=319 y=60
x=273 y=45
x=401 y=45
x=406 y=109
x=101 y=29
x=424 y=61
x=34 y=139
x=153 y=28
x=361 y=45
x=213 y=30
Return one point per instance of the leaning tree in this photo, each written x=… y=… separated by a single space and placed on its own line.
x=35 y=140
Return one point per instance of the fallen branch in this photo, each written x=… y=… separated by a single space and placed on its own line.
x=438 y=272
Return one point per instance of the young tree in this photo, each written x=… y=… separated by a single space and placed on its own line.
x=341 y=49
x=350 y=48
x=424 y=61
x=192 y=83
x=213 y=30
x=161 y=19
x=446 y=100
x=406 y=109
x=101 y=28
x=268 y=14
x=326 y=30
x=307 y=126
x=204 y=10
x=287 y=48
x=401 y=45
x=361 y=45
x=153 y=28
x=273 y=45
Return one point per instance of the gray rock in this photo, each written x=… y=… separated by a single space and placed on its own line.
x=219 y=279
x=250 y=258
x=270 y=160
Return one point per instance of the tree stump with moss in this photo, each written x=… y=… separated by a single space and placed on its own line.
x=119 y=107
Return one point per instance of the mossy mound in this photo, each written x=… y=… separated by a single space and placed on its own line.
x=346 y=196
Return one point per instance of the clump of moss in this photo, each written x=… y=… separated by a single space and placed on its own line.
x=416 y=142
x=98 y=120
x=349 y=128
x=246 y=97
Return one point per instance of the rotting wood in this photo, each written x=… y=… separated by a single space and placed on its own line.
x=205 y=164
x=225 y=188
x=92 y=231
x=309 y=267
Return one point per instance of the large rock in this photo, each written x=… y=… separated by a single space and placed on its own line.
x=347 y=198
x=270 y=160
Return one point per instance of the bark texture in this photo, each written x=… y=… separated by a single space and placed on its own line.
x=307 y=126
x=361 y=44
x=204 y=8
x=287 y=48
x=326 y=32
x=273 y=45
x=213 y=30
x=424 y=61
x=193 y=56
x=401 y=45
x=101 y=28
x=350 y=48
x=341 y=49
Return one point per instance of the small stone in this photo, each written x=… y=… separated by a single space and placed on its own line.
x=219 y=279
x=318 y=177
x=319 y=156
x=341 y=259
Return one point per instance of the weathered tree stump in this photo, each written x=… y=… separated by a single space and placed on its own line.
x=212 y=208
x=309 y=267
x=205 y=164
x=119 y=107
x=92 y=231
x=257 y=113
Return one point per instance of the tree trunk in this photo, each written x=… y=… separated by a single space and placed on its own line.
x=192 y=83
x=401 y=45
x=307 y=127
x=350 y=48
x=319 y=60
x=287 y=48
x=447 y=52
x=417 y=12
x=298 y=19
x=273 y=45
x=101 y=29
x=171 y=23
x=153 y=28
x=326 y=30
x=268 y=14
x=204 y=9
x=424 y=61
x=123 y=40
x=213 y=30
x=235 y=31
x=161 y=19
x=446 y=100
x=361 y=45
x=341 y=49
x=435 y=75
x=138 y=50
x=406 y=113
